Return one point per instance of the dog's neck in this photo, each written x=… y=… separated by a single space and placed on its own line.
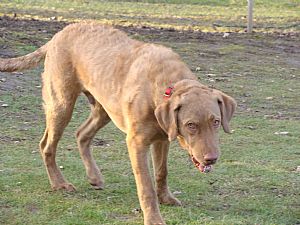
x=177 y=87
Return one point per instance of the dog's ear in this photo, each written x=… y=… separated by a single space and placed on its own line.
x=227 y=107
x=166 y=115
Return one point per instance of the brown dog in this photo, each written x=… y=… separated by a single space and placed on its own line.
x=145 y=89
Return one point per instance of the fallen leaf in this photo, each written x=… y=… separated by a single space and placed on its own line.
x=177 y=192
x=136 y=210
x=226 y=35
x=211 y=80
x=211 y=75
x=282 y=133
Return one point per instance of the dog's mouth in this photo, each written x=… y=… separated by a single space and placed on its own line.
x=201 y=168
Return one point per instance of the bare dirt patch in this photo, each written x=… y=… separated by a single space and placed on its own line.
x=233 y=62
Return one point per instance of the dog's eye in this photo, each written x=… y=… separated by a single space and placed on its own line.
x=217 y=123
x=192 y=126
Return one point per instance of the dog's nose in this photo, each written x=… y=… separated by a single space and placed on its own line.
x=210 y=159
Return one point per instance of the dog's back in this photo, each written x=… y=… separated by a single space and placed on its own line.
x=78 y=37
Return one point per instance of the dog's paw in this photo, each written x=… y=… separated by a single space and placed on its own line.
x=97 y=186
x=64 y=186
x=154 y=221
x=169 y=199
x=97 y=183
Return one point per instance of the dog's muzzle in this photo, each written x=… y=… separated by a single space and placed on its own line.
x=201 y=168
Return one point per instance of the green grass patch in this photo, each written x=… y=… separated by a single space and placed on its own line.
x=221 y=16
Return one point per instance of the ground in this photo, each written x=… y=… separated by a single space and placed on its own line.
x=255 y=182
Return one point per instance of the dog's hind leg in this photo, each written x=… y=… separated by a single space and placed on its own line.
x=59 y=99
x=85 y=134
x=160 y=157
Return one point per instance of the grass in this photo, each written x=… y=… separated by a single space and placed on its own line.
x=220 y=16
x=255 y=182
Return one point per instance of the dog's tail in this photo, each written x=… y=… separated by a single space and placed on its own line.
x=28 y=61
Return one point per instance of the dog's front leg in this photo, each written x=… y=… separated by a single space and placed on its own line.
x=160 y=159
x=138 y=152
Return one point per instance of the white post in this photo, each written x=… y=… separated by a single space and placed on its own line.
x=250 y=16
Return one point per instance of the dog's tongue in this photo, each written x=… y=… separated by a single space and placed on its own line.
x=201 y=168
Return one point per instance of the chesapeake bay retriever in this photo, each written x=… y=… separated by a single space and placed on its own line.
x=145 y=89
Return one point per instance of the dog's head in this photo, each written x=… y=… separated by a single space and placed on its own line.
x=194 y=114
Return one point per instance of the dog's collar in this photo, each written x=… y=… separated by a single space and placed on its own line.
x=168 y=92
